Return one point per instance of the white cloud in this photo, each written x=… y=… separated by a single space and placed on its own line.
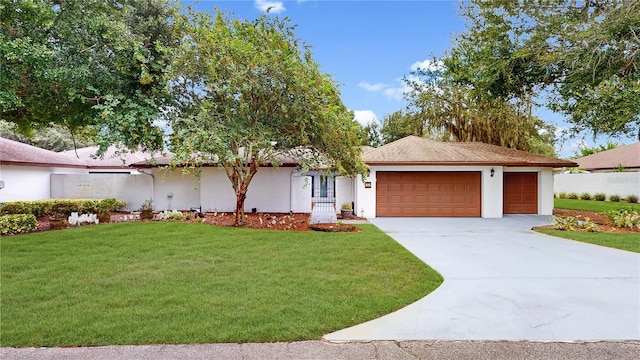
x=274 y=7
x=427 y=65
x=364 y=116
x=390 y=91
x=396 y=92
x=401 y=88
x=372 y=87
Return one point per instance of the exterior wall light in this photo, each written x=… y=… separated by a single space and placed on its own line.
x=492 y=172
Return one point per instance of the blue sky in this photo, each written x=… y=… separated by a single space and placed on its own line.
x=368 y=46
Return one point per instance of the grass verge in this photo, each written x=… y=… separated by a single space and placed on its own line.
x=177 y=283
x=622 y=241
x=592 y=205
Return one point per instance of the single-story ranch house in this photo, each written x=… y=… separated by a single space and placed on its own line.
x=410 y=177
x=611 y=172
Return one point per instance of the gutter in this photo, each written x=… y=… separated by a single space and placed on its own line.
x=153 y=181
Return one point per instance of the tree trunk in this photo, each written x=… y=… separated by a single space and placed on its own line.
x=240 y=175
x=241 y=195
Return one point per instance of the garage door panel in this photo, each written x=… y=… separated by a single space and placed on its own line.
x=431 y=194
x=520 y=194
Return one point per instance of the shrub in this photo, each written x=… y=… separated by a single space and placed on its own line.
x=590 y=226
x=585 y=196
x=60 y=207
x=570 y=223
x=632 y=199
x=17 y=224
x=147 y=205
x=110 y=204
x=614 y=198
x=562 y=195
x=600 y=197
x=35 y=208
x=566 y=223
x=625 y=217
x=572 y=196
x=170 y=215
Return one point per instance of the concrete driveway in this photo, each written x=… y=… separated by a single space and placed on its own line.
x=504 y=281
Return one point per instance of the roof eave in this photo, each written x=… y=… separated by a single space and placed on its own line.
x=40 y=164
x=467 y=163
x=148 y=166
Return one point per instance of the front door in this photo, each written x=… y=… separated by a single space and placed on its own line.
x=323 y=191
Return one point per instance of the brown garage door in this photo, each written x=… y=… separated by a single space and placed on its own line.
x=520 y=193
x=428 y=194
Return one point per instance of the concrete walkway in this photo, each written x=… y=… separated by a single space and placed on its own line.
x=506 y=282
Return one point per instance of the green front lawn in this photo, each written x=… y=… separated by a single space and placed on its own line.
x=592 y=205
x=622 y=241
x=177 y=283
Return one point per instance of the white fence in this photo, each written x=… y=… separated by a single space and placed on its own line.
x=622 y=184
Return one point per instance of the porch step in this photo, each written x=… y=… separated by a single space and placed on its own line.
x=323 y=215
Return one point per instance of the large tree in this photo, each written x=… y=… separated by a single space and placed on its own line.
x=581 y=55
x=400 y=124
x=443 y=108
x=250 y=92
x=90 y=63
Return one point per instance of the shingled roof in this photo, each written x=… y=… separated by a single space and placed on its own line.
x=166 y=159
x=110 y=159
x=628 y=156
x=17 y=153
x=413 y=150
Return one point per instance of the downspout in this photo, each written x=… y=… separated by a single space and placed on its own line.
x=354 y=185
x=153 y=182
x=291 y=192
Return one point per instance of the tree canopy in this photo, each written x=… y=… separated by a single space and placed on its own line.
x=582 y=56
x=249 y=92
x=91 y=63
x=443 y=108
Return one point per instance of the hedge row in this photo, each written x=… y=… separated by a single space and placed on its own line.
x=599 y=197
x=17 y=224
x=61 y=207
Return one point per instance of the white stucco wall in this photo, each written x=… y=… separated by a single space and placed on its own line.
x=174 y=190
x=491 y=187
x=545 y=187
x=24 y=183
x=344 y=191
x=492 y=192
x=300 y=193
x=28 y=183
x=133 y=189
x=269 y=191
x=622 y=184
x=365 y=198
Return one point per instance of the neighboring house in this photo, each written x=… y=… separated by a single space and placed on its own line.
x=627 y=156
x=603 y=173
x=31 y=173
x=409 y=177
x=25 y=170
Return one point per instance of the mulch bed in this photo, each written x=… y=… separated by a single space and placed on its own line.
x=603 y=221
x=270 y=221
x=334 y=227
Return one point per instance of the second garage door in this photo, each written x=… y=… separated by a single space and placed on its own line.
x=435 y=194
x=520 y=193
